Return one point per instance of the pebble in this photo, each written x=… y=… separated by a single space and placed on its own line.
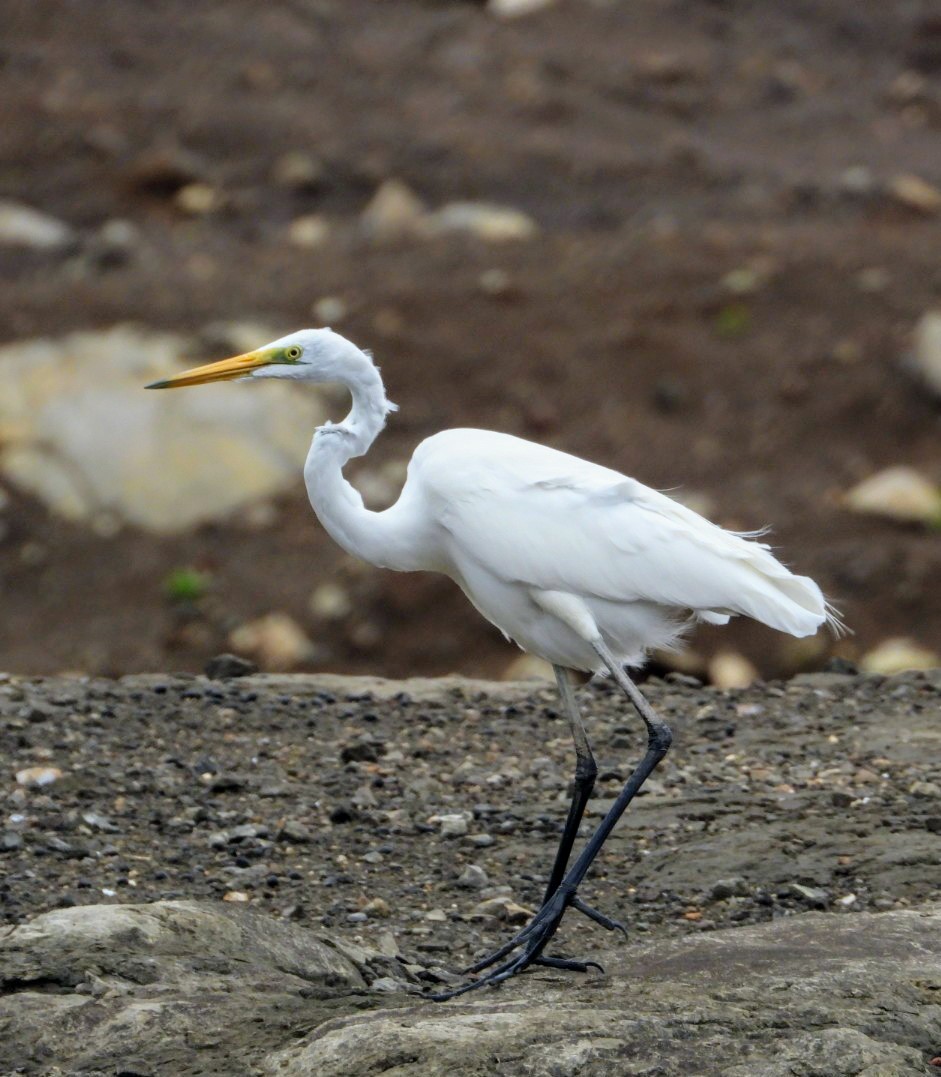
x=234 y=895
x=452 y=826
x=733 y=886
x=487 y=222
x=23 y=226
x=38 y=777
x=226 y=666
x=728 y=669
x=276 y=639
x=295 y=831
x=377 y=907
x=897 y=655
x=473 y=877
x=916 y=193
x=900 y=493
x=394 y=212
x=926 y=354
x=308 y=232
x=812 y=895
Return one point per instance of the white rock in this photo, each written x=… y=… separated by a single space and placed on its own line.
x=927 y=350
x=901 y=493
x=512 y=9
x=452 y=826
x=22 y=226
x=330 y=602
x=394 y=212
x=897 y=655
x=728 y=669
x=38 y=777
x=309 y=231
x=916 y=193
x=492 y=224
x=329 y=308
x=527 y=667
x=79 y=432
x=276 y=640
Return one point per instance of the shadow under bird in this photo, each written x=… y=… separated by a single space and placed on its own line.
x=576 y=563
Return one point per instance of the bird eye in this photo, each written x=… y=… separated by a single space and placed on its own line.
x=293 y=353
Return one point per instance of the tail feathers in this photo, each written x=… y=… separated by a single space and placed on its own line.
x=788 y=603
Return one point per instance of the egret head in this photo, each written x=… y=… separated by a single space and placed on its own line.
x=309 y=354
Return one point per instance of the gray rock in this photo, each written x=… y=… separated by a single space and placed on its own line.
x=473 y=877
x=808 y=995
x=185 y=457
x=180 y=987
x=224 y=666
x=162 y=985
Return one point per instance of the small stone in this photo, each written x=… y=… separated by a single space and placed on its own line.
x=23 y=226
x=198 y=199
x=527 y=667
x=926 y=355
x=733 y=886
x=728 y=669
x=329 y=309
x=394 y=212
x=490 y=223
x=299 y=171
x=495 y=282
x=309 y=231
x=839 y=798
x=235 y=896
x=99 y=822
x=482 y=841
x=330 y=602
x=377 y=908
x=473 y=877
x=514 y=9
x=436 y=916
x=928 y=790
x=452 y=826
x=385 y=984
x=38 y=777
x=897 y=655
x=916 y=193
x=295 y=831
x=900 y=493
x=224 y=666
x=276 y=639
x=811 y=895
x=10 y=841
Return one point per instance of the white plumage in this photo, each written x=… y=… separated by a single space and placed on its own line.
x=577 y=563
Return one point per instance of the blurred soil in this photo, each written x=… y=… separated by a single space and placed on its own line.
x=720 y=297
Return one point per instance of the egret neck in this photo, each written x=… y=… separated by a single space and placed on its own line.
x=377 y=537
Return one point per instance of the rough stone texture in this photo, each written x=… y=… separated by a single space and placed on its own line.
x=185 y=988
x=160 y=988
x=315 y=805
x=78 y=431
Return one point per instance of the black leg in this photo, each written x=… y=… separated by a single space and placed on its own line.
x=537 y=934
x=586 y=771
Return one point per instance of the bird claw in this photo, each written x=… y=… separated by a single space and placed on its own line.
x=533 y=939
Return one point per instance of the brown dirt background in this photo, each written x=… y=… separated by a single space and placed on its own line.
x=660 y=145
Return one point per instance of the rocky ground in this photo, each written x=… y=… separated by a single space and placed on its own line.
x=415 y=820
x=715 y=242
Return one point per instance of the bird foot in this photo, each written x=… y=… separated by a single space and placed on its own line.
x=532 y=940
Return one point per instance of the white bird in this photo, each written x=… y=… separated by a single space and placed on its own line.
x=576 y=563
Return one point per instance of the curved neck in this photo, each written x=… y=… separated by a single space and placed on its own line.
x=339 y=506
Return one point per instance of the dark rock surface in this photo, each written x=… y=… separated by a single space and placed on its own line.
x=341 y=820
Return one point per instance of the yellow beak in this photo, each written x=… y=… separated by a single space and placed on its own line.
x=224 y=370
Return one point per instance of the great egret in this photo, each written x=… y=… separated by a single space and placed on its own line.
x=577 y=563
